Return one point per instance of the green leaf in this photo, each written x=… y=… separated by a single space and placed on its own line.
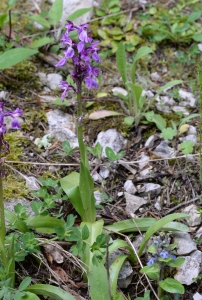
x=172 y=286
x=146 y=296
x=29 y=296
x=3 y=18
x=98 y=282
x=157 y=226
x=194 y=16
x=86 y=188
x=143 y=224
x=136 y=93
x=55 y=12
x=119 y=296
x=41 y=42
x=40 y=20
x=152 y=271
x=110 y=154
x=14 y=56
x=140 y=53
x=168 y=133
x=129 y=120
x=50 y=291
x=85 y=233
x=197 y=37
x=114 y=272
x=44 y=223
x=25 y=283
x=121 y=62
x=176 y=262
x=157 y=119
x=100 y=114
x=15 y=221
x=78 y=13
x=187 y=147
x=58 y=101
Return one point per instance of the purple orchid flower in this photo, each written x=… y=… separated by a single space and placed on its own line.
x=81 y=54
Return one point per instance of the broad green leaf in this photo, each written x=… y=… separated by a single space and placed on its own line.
x=114 y=272
x=70 y=185
x=129 y=120
x=140 y=53
x=157 y=119
x=40 y=20
x=121 y=61
x=136 y=93
x=14 y=56
x=197 y=37
x=96 y=115
x=41 y=42
x=3 y=18
x=119 y=296
x=110 y=153
x=49 y=291
x=157 y=226
x=143 y=224
x=176 y=262
x=187 y=147
x=29 y=296
x=117 y=244
x=58 y=101
x=78 y=13
x=194 y=16
x=152 y=271
x=86 y=188
x=98 y=283
x=55 y=12
x=168 y=133
x=44 y=223
x=24 y=284
x=172 y=286
x=15 y=221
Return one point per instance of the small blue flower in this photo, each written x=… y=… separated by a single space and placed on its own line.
x=151 y=261
x=164 y=254
x=172 y=256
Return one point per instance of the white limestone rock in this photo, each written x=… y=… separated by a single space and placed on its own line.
x=195 y=217
x=129 y=187
x=150 y=188
x=111 y=138
x=133 y=203
x=150 y=142
x=164 y=151
x=62 y=126
x=188 y=98
x=187 y=271
x=185 y=243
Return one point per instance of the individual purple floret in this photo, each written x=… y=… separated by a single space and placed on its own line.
x=15 y=124
x=164 y=254
x=151 y=261
x=81 y=54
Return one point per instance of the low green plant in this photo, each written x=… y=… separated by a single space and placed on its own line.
x=134 y=103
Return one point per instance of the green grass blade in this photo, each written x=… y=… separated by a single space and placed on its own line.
x=121 y=61
x=49 y=291
x=114 y=272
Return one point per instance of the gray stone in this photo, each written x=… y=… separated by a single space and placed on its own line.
x=199 y=234
x=200 y=47
x=32 y=183
x=129 y=187
x=133 y=203
x=104 y=172
x=70 y=6
x=158 y=203
x=96 y=177
x=197 y=255
x=143 y=161
x=197 y=296
x=190 y=137
x=187 y=271
x=97 y=196
x=150 y=188
x=164 y=151
x=155 y=76
x=111 y=138
x=9 y=204
x=185 y=243
x=137 y=241
x=181 y=109
x=52 y=80
x=188 y=97
x=144 y=173
x=192 y=130
x=148 y=94
x=195 y=217
x=4 y=96
x=126 y=272
x=150 y=142
x=62 y=126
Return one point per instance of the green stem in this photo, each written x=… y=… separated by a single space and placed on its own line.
x=3 y=226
